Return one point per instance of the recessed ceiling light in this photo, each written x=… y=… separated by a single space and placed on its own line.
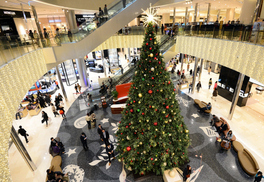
x=6 y=1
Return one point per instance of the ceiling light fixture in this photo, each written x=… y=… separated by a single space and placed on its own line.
x=5 y=1
x=188 y=1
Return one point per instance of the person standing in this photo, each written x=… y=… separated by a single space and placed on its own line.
x=105 y=136
x=110 y=80
x=190 y=87
x=36 y=37
x=31 y=35
x=198 y=86
x=83 y=139
x=215 y=85
x=124 y=3
x=110 y=152
x=210 y=83
x=122 y=70
x=187 y=172
x=215 y=93
x=62 y=112
x=46 y=35
x=162 y=29
x=198 y=69
x=191 y=72
x=54 y=110
x=209 y=70
x=23 y=133
x=88 y=120
x=57 y=84
x=105 y=10
x=45 y=118
x=70 y=35
x=100 y=132
x=76 y=88
x=258 y=177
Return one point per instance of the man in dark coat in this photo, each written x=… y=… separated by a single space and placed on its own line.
x=105 y=136
x=83 y=139
x=23 y=133
x=100 y=132
x=110 y=152
x=45 y=117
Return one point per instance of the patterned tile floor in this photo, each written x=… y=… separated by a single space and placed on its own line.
x=208 y=160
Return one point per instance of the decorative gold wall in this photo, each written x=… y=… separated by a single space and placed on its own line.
x=16 y=78
x=243 y=57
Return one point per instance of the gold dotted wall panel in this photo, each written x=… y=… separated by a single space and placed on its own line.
x=243 y=57
x=16 y=78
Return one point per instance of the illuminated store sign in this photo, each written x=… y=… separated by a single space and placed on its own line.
x=54 y=21
x=9 y=13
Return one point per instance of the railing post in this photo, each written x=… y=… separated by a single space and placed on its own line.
x=232 y=35
x=256 y=37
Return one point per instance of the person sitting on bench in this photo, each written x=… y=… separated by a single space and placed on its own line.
x=223 y=128
x=214 y=120
x=207 y=107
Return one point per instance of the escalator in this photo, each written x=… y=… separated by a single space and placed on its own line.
x=92 y=34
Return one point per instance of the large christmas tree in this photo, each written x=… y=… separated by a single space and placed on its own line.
x=152 y=135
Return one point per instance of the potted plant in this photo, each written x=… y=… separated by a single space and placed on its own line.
x=115 y=94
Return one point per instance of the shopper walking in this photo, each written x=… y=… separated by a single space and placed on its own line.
x=188 y=67
x=258 y=177
x=215 y=93
x=209 y=70
x=70 y=35
x=191 y=72
x=45 y=118
x=46 y=35
x=100 y=131
x=79 y=87
x=83 y=139
x=36 y=37
x=210 y=83
x=88 y=120
x=190 y=87
x=162 y=29
x=215 y=85
x=198 y=86
x=62 y=112
x=110 y=80
x=54 y=110
x=57 y=84
x=23 y=133
x=110 y=152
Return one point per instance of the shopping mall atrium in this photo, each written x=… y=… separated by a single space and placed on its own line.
x=131 y=90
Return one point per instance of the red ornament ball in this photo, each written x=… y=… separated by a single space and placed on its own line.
x=146 y=43
x=174 y=89
x=150 y=62
x=159 y=62
x=157 y=90
x=142 y=133
x=143 y=113
x=134 y=87
x=167 y=107
x=126 y=111
x=156 y=123
x=121 y=133
x=128 y=148
x=150 y=48
x=149 y=106
x=169 y=82
x=119 y=121
x=134 y=101
x=152 y=78
x=155 y=58
x=129 y=123
x=150 y=91
x=150 y=38
x=151 y=159
x=156 y=109
x=131 y=110
x=126 y=126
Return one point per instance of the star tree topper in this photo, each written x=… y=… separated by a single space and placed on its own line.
x=151 y=16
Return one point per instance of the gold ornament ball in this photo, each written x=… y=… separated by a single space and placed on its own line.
x=173 y=102
x=165 y=121
x=155 y=158
x=156 y=129
x=186 y=131
x=165 y=163
x=179 y=140
x=169 y=134
x=155 y=42
x=163 y=132
x=124 y=150
x=140 y=95
x=151 y=55
x=169 y=97
x=153 y=106
x=119 y=160
x=169 y=120
x=135 y=72
x=163 y=112
x=160 y=54
x=139 y=121
x=161 y=90
x=147 y=120
x=140 y=143
x=144 y=152
x=139 y=102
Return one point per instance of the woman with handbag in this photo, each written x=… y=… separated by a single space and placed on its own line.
x=93 y=119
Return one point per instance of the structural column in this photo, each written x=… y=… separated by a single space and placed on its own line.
x=174 y=12
x=71 y=20
x=201 y=69
x=186 y=16
x=247 y=12
x=182 y=58
x=230 y=14
x=81 y=67
x=236 y=95
x=37 y=22
x=218 y=15
x=194 y=74
x=195 y=12
x=61 y=84
x=21 y=148
x=208 y=12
